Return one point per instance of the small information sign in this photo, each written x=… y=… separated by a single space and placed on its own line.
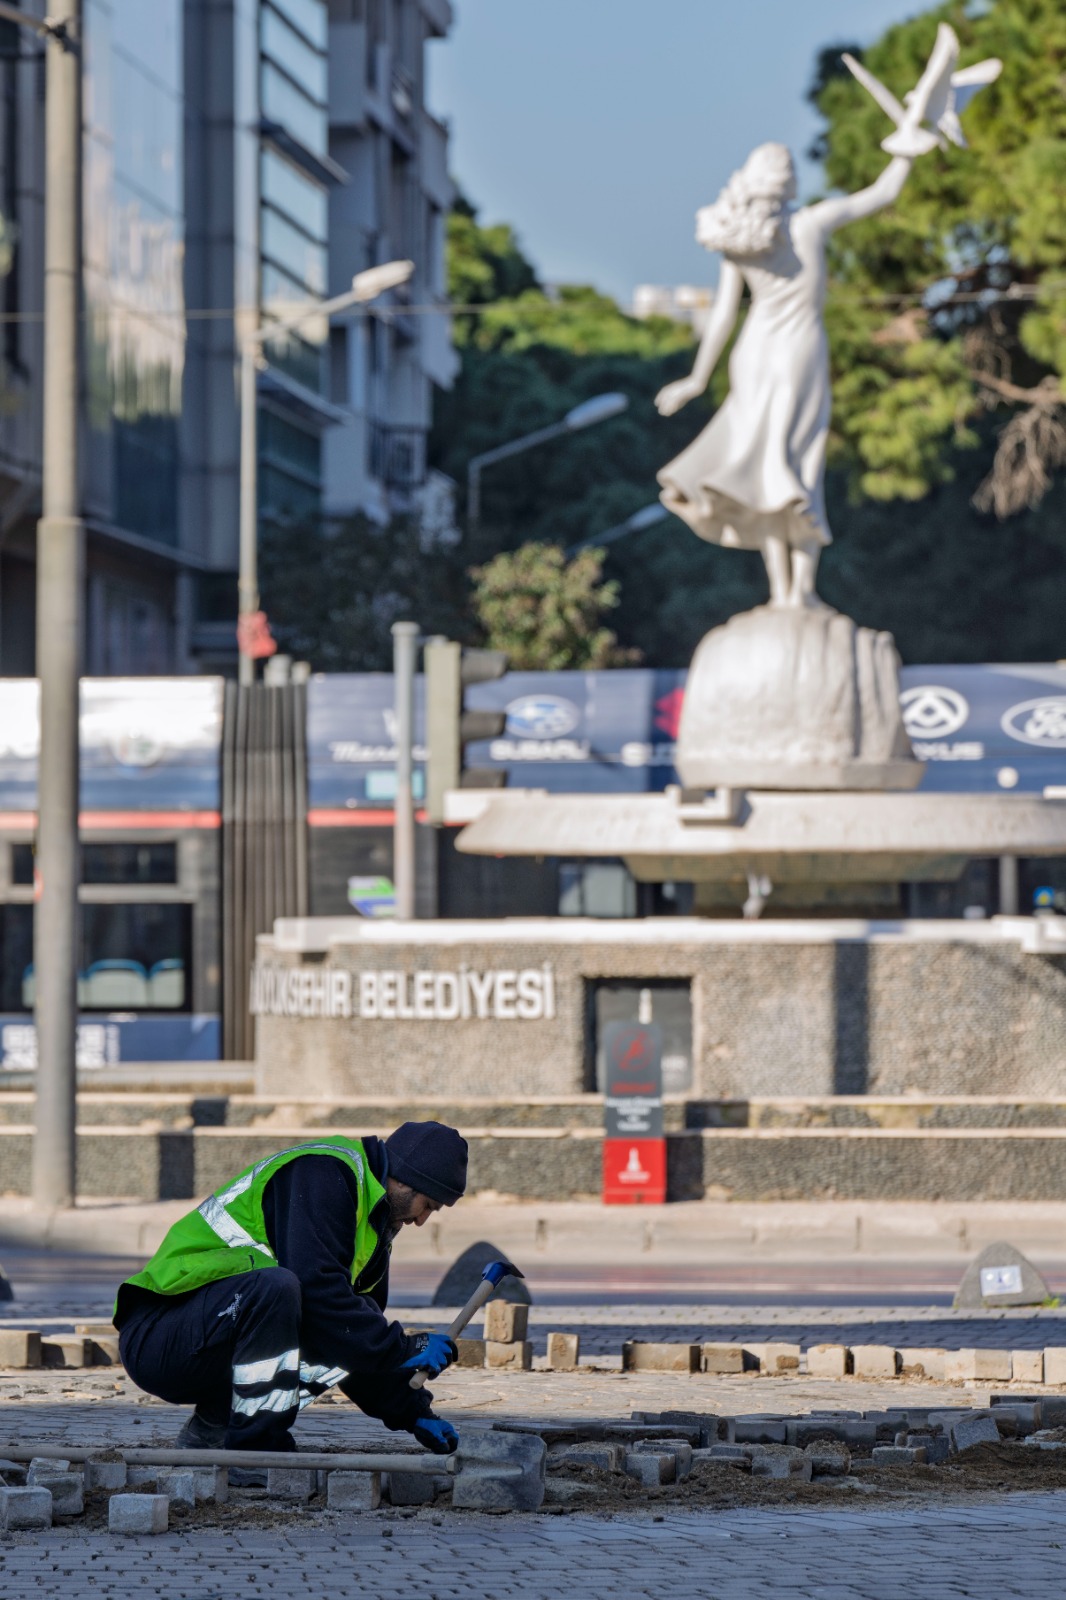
x=1000 y=1280
x=634 y=1148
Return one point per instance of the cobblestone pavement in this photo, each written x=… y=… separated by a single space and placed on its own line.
x=987 y=1548
x=995 y=1550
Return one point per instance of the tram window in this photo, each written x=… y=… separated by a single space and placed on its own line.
x=129 y=861
x=16 y=954
x=133 y=958
x=125 y=861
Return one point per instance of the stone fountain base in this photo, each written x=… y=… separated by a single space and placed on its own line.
x=783 y=698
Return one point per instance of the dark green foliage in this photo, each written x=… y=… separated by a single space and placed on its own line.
x=333 y=595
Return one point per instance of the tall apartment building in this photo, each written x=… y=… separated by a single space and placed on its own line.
x=242 y=159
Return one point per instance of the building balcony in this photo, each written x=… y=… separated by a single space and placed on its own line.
x=398 y=457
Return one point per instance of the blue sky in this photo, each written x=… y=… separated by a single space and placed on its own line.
x=597 y=127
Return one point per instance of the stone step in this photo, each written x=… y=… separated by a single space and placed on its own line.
x=210 y=1107
x=152 y=1162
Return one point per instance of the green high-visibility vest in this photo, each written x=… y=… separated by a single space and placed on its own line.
x=226 y=1235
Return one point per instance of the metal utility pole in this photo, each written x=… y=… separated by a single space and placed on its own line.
x=248 y=537
x=60 y=575
x=404 y=655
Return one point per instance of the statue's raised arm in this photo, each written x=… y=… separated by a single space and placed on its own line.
x=754 y=478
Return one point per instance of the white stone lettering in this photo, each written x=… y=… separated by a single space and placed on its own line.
x=480 y=985
x=447 y=1010
x=340 y=994
x=425 y=996
x=530 y=1004
x=368 y=994
x=549 y=990
x=506 y=984
x=403 y=1010
x=387 y=995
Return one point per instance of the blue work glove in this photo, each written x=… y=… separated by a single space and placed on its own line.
x=436 y=1434
x=432 y=1352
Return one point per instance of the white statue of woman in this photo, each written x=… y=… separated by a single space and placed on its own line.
x=754 y=478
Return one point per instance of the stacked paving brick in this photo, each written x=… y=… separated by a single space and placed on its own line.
x=506 y=1346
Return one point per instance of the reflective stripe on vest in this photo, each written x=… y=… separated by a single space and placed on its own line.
x=213 y=1210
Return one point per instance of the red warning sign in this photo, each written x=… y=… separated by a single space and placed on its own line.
x=634 y=1172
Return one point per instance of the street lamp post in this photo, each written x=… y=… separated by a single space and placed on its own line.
x=60 y=573
x=646 y=517
x=365 y=286
x=598 y=409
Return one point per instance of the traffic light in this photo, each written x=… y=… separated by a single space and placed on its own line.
x=451 y=669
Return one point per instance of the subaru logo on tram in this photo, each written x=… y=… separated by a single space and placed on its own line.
x=541 y=716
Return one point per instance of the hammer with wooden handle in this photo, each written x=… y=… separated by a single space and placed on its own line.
x=491 y=1279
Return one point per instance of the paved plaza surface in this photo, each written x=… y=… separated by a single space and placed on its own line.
x=855 y=1543
x=989 y=1551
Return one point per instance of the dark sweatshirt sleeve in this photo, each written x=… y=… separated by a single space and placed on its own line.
x=310 y=1212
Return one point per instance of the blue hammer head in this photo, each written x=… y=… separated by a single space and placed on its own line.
x=496 y=1271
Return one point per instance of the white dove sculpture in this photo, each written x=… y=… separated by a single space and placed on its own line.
x=932 y=108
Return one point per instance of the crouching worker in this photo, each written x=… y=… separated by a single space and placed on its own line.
x=274 y=1290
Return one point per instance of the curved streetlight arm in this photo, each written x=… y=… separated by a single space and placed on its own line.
x=646 y=517
x=501 y=452
x=365 y=286
x=599 y=409
x=44 y=27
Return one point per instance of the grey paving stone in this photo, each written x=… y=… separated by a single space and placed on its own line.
x=757 y=1430
x=105 y=1474
x=680 y=1449
x=606 y=1456
x=730 y=1455
x=25 y=1508
x=973 y=1430
x=898 y=1455
x=138 y=1513
x=775 y=1465
x=830 y=1458
x=414 y=1488
x=67 y=1490
x=650 y=1467
x=290 y=1483
x=353 y=1491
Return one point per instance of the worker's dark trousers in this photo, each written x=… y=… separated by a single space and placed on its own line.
x=233 y=1351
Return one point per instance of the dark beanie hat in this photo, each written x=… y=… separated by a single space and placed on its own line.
x=429 y=1157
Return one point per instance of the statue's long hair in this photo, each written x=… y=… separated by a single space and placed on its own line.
x=744 y=220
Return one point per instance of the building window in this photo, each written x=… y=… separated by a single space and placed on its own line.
x=290 y=470
x=300 y=60
x=310 y=16
x=596 y=889
x=292 y=192
x=284 y=102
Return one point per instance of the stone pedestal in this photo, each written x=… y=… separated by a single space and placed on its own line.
x=782 y=698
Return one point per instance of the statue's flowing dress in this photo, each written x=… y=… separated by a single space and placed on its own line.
x=757 y=469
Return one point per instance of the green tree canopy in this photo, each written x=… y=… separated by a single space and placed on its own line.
x=547 y=612
x=953 y=303
x=528 y=356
